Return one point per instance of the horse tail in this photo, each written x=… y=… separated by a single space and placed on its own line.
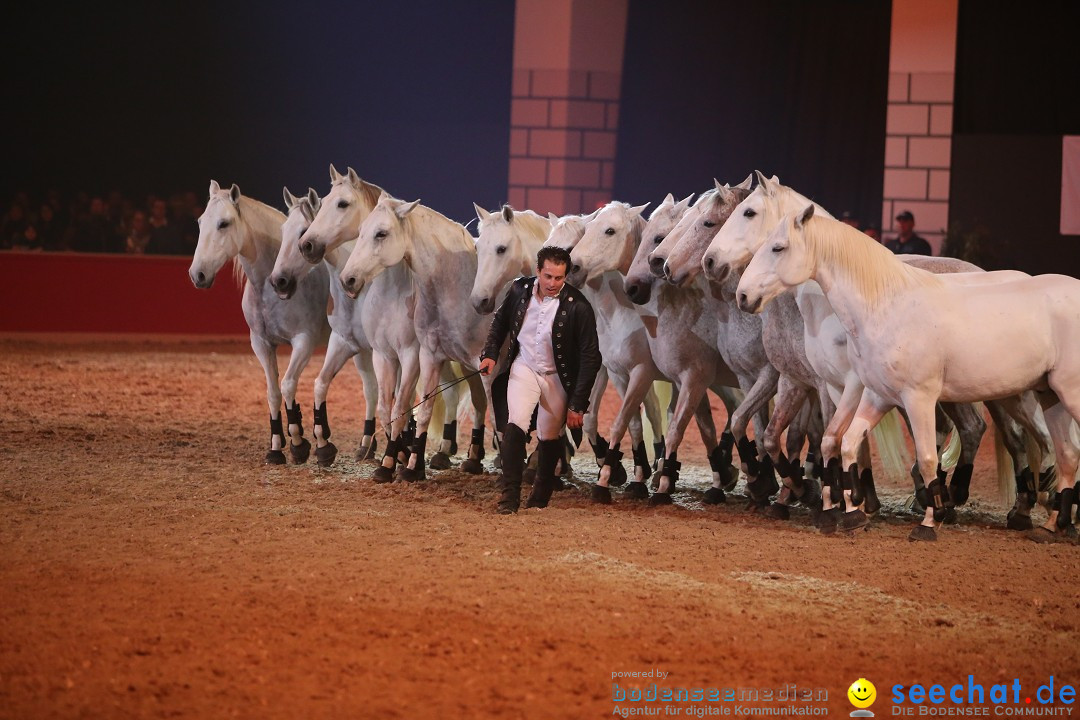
x=1005 y=469
x=950 y=454
x=892 y=448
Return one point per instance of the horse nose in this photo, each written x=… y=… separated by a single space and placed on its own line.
x=743 y=302
x=709 y=262
x=279 y=282
x=656 y=265
x=575 y=269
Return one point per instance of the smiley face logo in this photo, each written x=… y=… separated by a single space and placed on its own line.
x=862 y=693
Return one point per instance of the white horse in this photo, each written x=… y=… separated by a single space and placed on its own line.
x=234 y=227
x=824 y=340
x=442 y=257
x=739 y=340
x=347 y=336
x=506 y=248
x=939 y=345
x=381 y=319
x=681 y=340
x=624 y=346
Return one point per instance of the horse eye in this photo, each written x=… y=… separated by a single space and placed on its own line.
x=750 y=212
x=342 y=204
x=778 y=248
x=223 y=224
x=380 y=235
x=709 y=223
x=659 y=239
x=500 y=250
x=609 y=231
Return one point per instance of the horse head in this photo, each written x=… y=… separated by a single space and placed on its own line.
x=782 y=261
x=678 y=258
x=608 y=243
x=290 y=266
x=639 y=278
x=220 y=236
x=343 y=210
x=506 y=248
x=382 y=242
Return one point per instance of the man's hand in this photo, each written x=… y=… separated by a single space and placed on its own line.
x=574 y=420
x=486 y=366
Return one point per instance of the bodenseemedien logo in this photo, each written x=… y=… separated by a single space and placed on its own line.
x=862 y=695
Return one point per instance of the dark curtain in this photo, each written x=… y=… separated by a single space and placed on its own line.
x=720 y=89
x=163 y=97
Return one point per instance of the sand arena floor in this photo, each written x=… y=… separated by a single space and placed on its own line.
x=153 y=566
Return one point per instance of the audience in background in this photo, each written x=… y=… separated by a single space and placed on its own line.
x=104 y=223
x=907 y=242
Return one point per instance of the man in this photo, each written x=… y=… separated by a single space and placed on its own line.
x=908 y=243
x=554 y=357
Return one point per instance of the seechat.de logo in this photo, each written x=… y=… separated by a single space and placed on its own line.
x=862 y=695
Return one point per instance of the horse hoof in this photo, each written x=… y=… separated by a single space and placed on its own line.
x=922 y=533
x=755 y=505
x=852 y=521
x=275 y=457
x=827 y=520
x=325 y=455
x=660 y=498
x=300 y=452
x=871 y=505
x=601 y=495
x=636 y=491
x=440 y=461
x=776 y=511
x=474 y=467
x=367 y=452
x=383 y=474
x=714 y=496
x=618 y=475
x=733 y=475
x=1016 y=521
x=559 y=485
x=409 y=474
x=811 y=496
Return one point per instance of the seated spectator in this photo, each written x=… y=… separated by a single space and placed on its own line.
x=907 y=242
x=165 y=238
x=49 y=229
x=13 y=226
x=138 y=237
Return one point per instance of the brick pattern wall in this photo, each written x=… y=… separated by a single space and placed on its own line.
x=562 y=140
x=918 y=147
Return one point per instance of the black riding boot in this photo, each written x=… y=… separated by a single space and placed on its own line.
x=547 y=456
x=512 y=449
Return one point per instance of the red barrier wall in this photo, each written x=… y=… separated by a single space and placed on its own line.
x=102 y=293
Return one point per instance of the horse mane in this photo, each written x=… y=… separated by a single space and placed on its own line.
x=535 y=224
x=448 y=241
x=870 y=267
x=265 y=221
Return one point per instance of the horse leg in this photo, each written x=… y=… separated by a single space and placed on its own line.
x=790 y=398
x=267 y=355
x=727 y=438
x=633 y=390
x=386 y=377
x=761 y=482
x=1059 y=526
x=691 y=392
x=1011 y=436
x=869 y=413
x=404 y=386
x=338 y=351
x=480 y=394
x=302 y=348
x=831 y=441
x=1025 y=410
x=970 y=426
x=365 y=365
x=719 y=457
x=448 y=445
x=591 y=423
x=430 y=369
x=920 y=409
x=654 y=415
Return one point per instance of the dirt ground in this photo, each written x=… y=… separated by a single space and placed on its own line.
x=153 y=566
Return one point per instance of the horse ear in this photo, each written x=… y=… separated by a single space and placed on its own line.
x=805 y=215
x=553 y=218
x=334 y=174
x=685 y=202
x=762 y=181
x=234 y=194
x=718 y=185
x=313 y=199
x=745 y=184
x=290 y=199
x=508 y=213
x=724 y=192
x=669 y=200
x=354 y=178
x=384 y=196
x=481 y=213
x=639 y=209
x=405 y=208
x=214 y=187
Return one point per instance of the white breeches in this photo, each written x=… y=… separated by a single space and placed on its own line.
x=525 y=389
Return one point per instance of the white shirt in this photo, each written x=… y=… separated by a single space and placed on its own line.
x=534 y=338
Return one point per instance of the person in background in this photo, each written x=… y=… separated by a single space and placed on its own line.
x=907 y=242
x=138 y=236
x=873 y=232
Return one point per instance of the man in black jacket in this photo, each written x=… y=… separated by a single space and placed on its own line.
x=554 y=358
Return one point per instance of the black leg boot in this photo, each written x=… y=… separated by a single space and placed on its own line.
x=512 y=449
x=547 y=456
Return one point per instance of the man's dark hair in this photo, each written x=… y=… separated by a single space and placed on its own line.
x=554 y=255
